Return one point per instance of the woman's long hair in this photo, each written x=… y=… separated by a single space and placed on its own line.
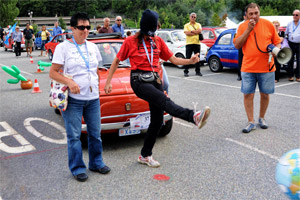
x=140 y=36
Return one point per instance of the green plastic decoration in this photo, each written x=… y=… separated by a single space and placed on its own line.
x=15 y=72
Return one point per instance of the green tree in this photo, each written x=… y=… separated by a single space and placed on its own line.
x=62 y=23
x=8 y=12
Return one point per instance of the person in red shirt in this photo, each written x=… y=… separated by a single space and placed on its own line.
x=144 y=50
x=253 y=36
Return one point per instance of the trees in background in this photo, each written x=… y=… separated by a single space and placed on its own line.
x=173 y=13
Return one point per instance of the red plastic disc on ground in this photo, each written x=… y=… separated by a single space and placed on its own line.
x=161 y=177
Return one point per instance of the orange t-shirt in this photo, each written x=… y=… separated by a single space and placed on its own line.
x=255 y=61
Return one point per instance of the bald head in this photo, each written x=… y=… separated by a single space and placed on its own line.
x=296 y=15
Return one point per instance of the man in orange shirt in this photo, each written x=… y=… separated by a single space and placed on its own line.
x=253 y=36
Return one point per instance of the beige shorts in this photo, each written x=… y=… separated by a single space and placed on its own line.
x=28 y=43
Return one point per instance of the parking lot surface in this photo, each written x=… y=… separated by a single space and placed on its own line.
x=216 y=162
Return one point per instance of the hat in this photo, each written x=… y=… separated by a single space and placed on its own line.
x=148 y=22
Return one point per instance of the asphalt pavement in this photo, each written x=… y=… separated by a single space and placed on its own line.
x=216 y=162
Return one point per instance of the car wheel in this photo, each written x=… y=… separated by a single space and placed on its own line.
x=215 y=64
x=50 y=55
x=36 y=48
x=179 y=55
x=166 y=129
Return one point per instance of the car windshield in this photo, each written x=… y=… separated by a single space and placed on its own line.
x=178 y=36
x=219 y=31
x=108 y=51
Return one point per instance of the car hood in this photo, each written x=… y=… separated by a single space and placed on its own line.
x=120 y=82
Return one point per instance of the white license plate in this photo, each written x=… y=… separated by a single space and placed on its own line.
x=129 y=131
x=22 y=45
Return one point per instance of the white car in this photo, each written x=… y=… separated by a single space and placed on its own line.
x=175 y=40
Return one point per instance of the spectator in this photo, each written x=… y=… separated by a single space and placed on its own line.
x=128 y=33
x=1 y=33
x=281 y=35
x=83 y=98
x=138 y=49
x=117 y=27
x=57 y=29
x=192 y=31
x=106 y=28
x=256 y=67
x=17 y=38
x=28 y=35
x=293 y=32
x=44 y=35
x=98 y=28
x=241 y=55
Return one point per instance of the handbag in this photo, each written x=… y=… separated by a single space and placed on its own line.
x=147 y=77
x=201 y=37
x=58 y=97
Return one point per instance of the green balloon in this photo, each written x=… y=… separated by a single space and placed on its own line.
x=12 y=81
x=22 y=78
x=41 y=68
x=16 y=69
x=10 y=71
x=44 y=64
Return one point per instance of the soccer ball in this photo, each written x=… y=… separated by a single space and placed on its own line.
x=288 y=174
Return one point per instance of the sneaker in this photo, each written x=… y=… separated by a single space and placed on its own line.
x=148 y=161
x=186 y=74
x=200 y=117
x=251 y=126
x=262 y=123
x=198 y=74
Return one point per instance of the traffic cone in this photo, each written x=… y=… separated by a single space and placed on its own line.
x=31 y=60
x=38 y=70
x=36 y=88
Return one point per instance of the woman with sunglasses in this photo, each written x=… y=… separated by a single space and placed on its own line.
x=144 y=51
x=79 y=59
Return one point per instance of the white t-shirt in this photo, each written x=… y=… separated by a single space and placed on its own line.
x=66 y=54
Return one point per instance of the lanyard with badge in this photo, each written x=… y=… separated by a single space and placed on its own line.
x=151 y=61
x=87 y=61
x=294 y=28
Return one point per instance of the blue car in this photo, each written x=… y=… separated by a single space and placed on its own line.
x=38 y=39
x=223 y=53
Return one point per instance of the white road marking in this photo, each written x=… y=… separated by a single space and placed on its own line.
x=182 y=124
x=9 y=131
x=282 y=85
x=237 y=87
x=40 y=135
x=252 y=148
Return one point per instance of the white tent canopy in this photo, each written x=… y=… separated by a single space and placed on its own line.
x=283 y=20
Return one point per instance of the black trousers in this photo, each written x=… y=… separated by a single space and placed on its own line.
x=18 y=49
x=189 y=50
x=296 y=51
x=277 y=72
x=158 y=103
x=240 y=61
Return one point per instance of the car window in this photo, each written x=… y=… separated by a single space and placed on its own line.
x=108 y=51
x=207 y=34
x=225 y=39
x=164 y=36
x=219 y=31
x=178 y=36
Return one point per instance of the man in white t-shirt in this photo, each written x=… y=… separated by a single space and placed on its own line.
x=79 y=59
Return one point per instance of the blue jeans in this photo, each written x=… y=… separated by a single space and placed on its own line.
x=90 y=110
x=265 y=82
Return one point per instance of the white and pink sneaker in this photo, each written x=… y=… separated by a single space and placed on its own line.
x=148 y=161
x=200 y=117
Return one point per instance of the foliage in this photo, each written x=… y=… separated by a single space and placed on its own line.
x=173 y=13
x=8 y=12
x=35 y=28
x=62 y=23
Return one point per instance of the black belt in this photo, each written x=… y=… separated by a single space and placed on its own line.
x=137 y=73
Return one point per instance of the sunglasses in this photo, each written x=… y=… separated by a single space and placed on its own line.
x=295 y=15
x=83 y=27
x=194 y=17
x=119 y=20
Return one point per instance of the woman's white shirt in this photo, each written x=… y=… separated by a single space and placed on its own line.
x=67 y=54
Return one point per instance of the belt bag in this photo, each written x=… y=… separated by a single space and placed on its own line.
x=147 y=77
